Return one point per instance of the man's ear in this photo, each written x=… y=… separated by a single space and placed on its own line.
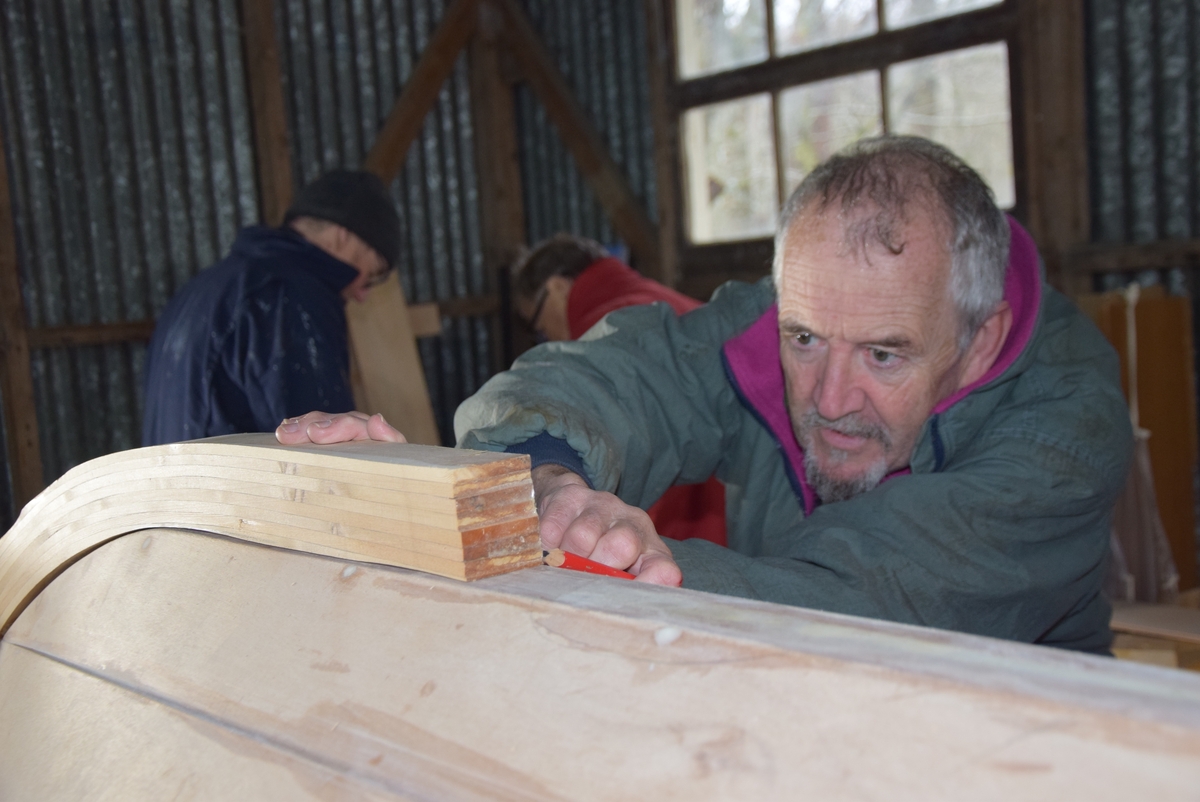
x=986 y=344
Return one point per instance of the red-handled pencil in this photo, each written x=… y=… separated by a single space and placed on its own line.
x=561 y=559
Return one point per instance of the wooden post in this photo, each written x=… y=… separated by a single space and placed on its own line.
x=420 y=93
x=579 y=135
x=272 y=150
x=501 y=206
x=666 y=136
x=1053 y=92
x=16 y=378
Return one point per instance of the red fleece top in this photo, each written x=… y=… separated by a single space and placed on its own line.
x=610 y=284
x=684 y=511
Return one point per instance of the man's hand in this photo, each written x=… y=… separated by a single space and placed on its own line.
x=600 y=526
x=322 y=427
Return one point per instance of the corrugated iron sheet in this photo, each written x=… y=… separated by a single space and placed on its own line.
x=1145 y=130
x=131 y=167
x=344 y=64
x=1144 y=107
x=600 y=48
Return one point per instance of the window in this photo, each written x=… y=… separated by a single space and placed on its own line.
x=770 y=88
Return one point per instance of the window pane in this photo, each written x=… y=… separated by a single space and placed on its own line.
x=898 y=13
x=817 y=120
x=959 y=99
x=809 y=24
x=715 y=35
x=730 y=153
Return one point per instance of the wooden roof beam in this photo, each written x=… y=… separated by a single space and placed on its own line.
x=421 y=91
x=623 y=206
x=16 y=376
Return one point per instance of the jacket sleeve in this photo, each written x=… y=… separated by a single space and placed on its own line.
x=640 y=398
x=295 y=356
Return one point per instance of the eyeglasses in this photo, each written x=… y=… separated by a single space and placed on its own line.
x=378 y=277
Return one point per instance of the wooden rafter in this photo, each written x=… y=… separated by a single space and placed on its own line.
x=16 y=378
x=265 y=80
x=421 y=91
x=497 y=160
x=1051 y=94
x=612 y=189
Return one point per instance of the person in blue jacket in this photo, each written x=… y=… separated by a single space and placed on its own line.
x=261 y=335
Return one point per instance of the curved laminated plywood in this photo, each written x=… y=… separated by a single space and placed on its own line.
x=452 y=512
x=174 y=664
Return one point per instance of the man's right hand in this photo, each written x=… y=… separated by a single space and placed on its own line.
x=323 y=427
x=600 y=526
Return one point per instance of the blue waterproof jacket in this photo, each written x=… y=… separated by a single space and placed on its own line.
x=999 y=526
x=257 y=337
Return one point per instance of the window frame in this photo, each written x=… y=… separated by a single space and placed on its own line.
x=702 y=267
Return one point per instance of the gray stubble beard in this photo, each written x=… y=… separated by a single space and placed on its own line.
x=827 y=488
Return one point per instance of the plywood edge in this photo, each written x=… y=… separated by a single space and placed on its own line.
x=487 y=524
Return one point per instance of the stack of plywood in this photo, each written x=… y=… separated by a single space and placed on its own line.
x=457 y=513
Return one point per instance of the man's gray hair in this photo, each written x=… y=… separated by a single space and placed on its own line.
x=884 y=175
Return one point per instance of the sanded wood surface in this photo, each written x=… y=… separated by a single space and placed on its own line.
x=157 y=655
x=387 y=376
x=457 y=513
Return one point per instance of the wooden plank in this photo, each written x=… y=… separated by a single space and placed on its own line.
x=1167 y=405
x=190 y=755
x=665 y=120
x=990 y=24
x=612 y=189
x=93 y=334
x=391 y=380
x=250 y=487
x=501 y=201
x=426 y=320
x=1120 y=258
x=408 y=113
x=548 y=684
x=1051 y=99
x=16 y=378
x=1157 y=620
x=264 y=78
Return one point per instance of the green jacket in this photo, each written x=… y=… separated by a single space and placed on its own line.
x=1000 y=529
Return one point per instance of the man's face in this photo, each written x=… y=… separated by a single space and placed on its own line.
x=868 y=343
x=372 y=268
x=546 y=312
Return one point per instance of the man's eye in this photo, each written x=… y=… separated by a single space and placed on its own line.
x=804 y=338
x=882 y=357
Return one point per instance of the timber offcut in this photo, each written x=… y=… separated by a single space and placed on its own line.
x=452 y=512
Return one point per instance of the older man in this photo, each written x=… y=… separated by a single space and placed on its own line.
x=910 y=424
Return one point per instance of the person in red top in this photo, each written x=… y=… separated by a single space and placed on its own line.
x=562 y=288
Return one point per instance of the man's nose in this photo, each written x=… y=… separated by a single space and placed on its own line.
x=838 y=391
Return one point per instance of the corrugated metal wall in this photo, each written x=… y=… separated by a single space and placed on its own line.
x=1144 y=129
x=600 y=47
x=344 y=64
x=131 y=167
x=128 y=135
x=1145 y=119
